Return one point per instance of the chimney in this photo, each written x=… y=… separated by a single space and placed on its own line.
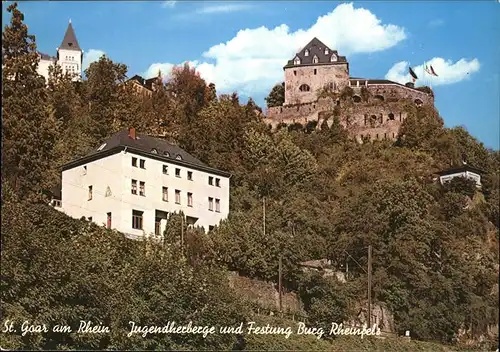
x=131 y=133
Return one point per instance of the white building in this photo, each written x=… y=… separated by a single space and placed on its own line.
x=465 y=171
x=132 y=182
x=69 y=57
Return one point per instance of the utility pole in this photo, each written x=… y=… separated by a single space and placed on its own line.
x=280 y=283
x=369 y=286
x=182 y=233
x=264 y=214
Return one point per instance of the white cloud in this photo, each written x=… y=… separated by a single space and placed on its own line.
x=223 y=8
x=447 y=71
x=90 y=56
x=252 y=62
x=168 y=4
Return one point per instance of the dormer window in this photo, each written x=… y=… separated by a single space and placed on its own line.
x=315 y=59
x=101 y=147
x=333 y=58
x=154 y=151
x=296 y=61
x=327 y=51
x=178 y=157
x=306 y=52
x=167 y=154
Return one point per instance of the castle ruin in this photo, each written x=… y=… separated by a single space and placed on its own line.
x=316 y=79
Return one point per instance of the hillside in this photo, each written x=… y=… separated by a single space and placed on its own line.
x=435 y=248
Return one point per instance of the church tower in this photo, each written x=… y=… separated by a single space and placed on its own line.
x=70 y=55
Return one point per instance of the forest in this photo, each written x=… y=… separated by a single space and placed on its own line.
x=435 y=248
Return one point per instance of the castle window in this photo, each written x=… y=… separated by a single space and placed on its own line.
x=306 y=52
x=296 y=61
x=294 y=72
x=304 y=88
x=356 y=99
x=333 y=58
x=377 y=136
x=393 y=135
x=315 y=59
x=418 y=102
x=154 y=151
x=381 y=118
x=326 y=51
x=399 y=117
x=391 y=116
x=385 y=135
x=315 y=71
x=366 y=118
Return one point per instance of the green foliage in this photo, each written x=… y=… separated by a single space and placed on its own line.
x=277 y=96
x=28 y=126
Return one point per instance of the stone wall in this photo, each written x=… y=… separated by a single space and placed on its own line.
x=316 y=77
x=378 y=118
x=265 y=294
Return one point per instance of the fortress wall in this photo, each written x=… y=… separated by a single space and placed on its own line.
x=394 y=92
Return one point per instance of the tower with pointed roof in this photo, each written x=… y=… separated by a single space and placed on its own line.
x=70 y=55
x=312 y=69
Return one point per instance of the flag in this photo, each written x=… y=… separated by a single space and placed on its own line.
x=413 y=74
x=433 y=72
x=427 y=69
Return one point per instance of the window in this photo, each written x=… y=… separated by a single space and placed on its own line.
x=157 y=226
x=190 y=175
x=134 y=186
x=90 y=193
x=134 y=162
x=142 y=164
x=333 y=58
x=210 y=204
x=101 y=147
x=304 y=88
x=315 y=71
x=190 y=199
x=306 y=52
x=166 y=154
x=210 y=180
x=108 y=220
x=391 y=116
x=177 y=172
x=178 y=157
x=89 y=218
x=137 y=219
x=154 y=151
x=165 y=194
x=326 y=51
x=217 y=182
x=142 y=188
x=315 y=59
x=217 y=205
x=296 y=61
x=165 y=169
x=177 y=196
x=294 y=72
x=85 y=170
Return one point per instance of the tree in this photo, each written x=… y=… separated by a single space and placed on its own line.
x=104 y=94
x=277 y=96
x=28 y=126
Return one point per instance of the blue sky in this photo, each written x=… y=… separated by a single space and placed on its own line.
x=242 y=46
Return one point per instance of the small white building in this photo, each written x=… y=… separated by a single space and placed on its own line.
x=465 y=171
x=69 y=57
x=132 y=182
